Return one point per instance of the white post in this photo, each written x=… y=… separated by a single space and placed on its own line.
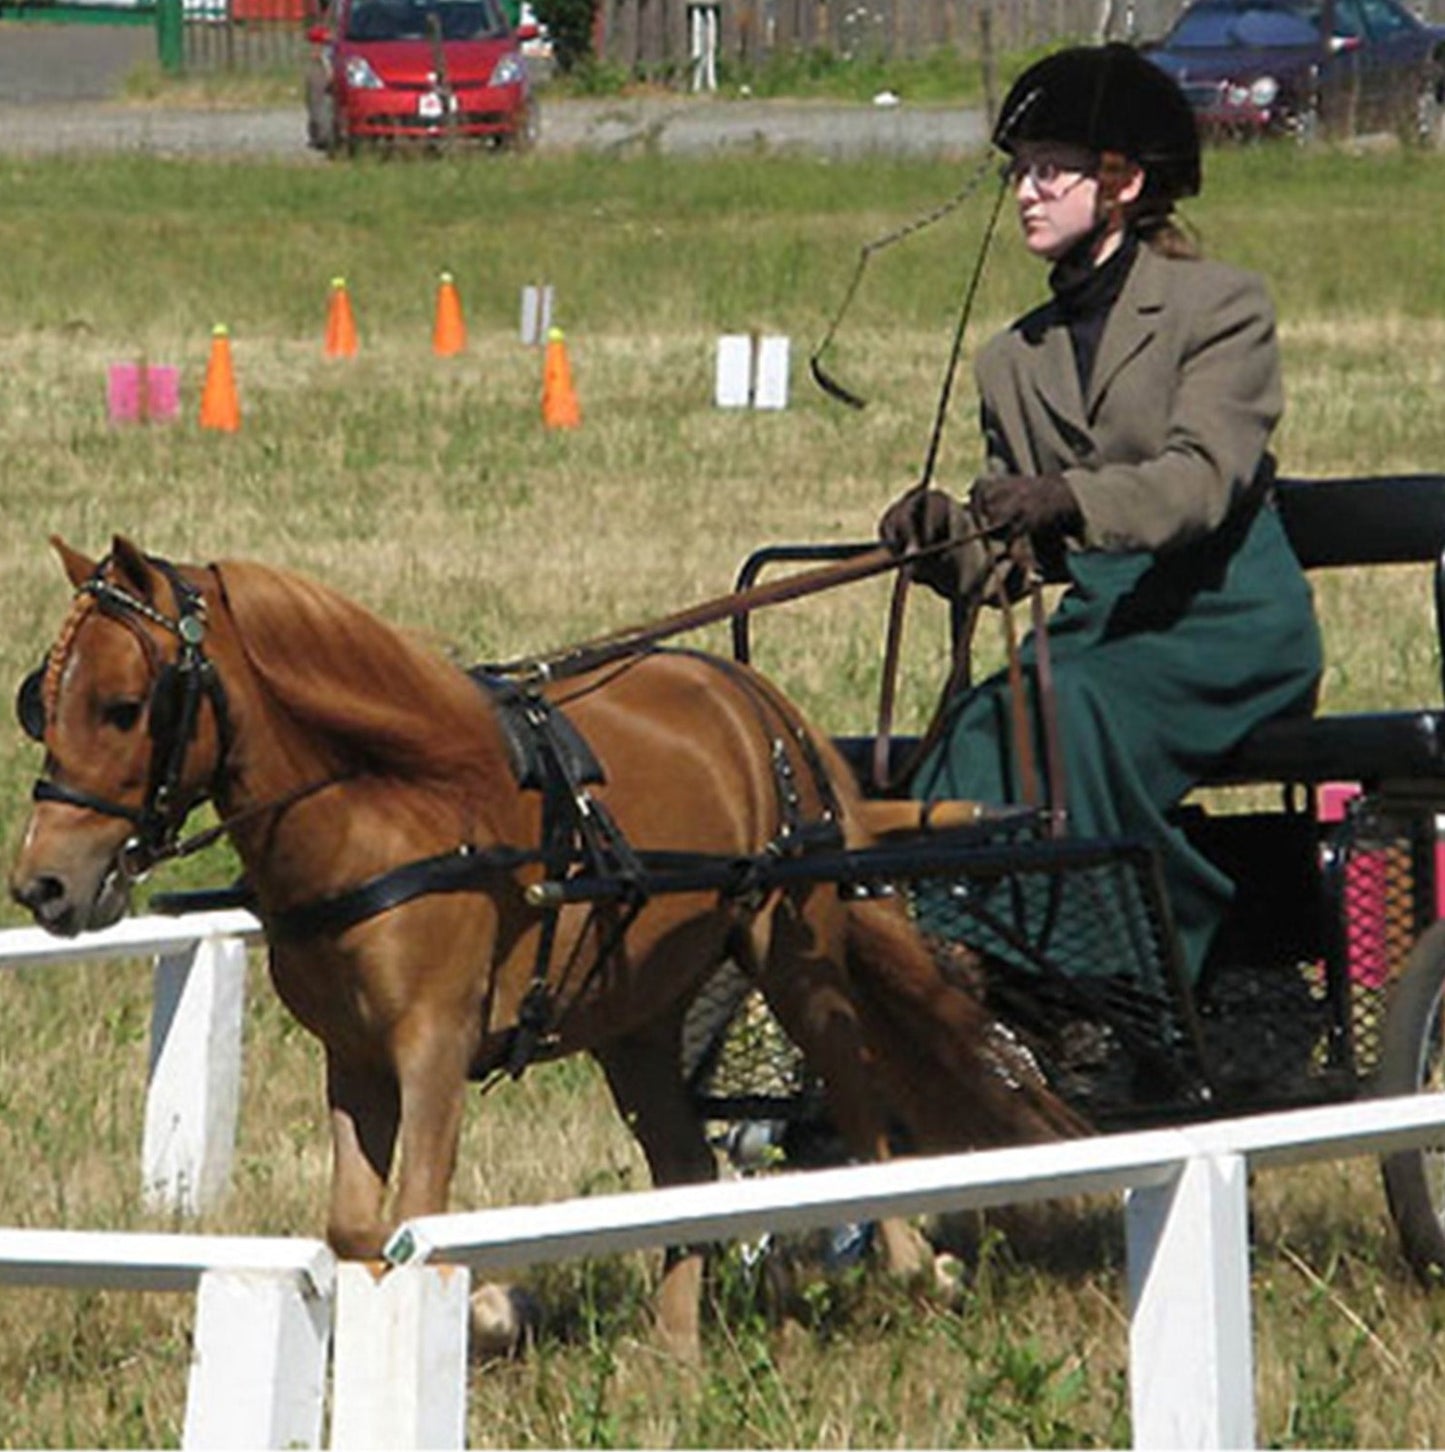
x=195 y=1074
x=400 y=1374
x=703 y=38
x=258 y=1362
x=1191 y=1358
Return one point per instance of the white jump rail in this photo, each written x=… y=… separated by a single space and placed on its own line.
x=265 y=1308
x=193 y=1094
x=262 y=1328
x=1191 y=1360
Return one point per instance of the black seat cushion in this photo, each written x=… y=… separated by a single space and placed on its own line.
x=1367 y=746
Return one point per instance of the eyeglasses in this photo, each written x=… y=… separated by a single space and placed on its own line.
x=1050 y=179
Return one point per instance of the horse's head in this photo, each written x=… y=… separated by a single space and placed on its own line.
x=119 y=704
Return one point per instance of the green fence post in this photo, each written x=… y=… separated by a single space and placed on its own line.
x=169 y=47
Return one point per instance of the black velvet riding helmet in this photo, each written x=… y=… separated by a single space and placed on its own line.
x=1107 y=98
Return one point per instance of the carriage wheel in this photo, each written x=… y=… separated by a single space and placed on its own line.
x=1412 y=1060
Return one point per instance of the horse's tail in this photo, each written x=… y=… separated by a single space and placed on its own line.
x=957 y=1078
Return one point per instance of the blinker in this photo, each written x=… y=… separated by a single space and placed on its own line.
x=30 y=704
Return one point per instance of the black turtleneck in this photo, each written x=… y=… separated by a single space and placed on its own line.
x=1085 y=295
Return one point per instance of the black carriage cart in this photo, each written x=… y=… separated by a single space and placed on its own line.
x=1326 y=984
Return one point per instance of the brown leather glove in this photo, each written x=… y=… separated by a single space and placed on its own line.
x=922 y=518
x=1029 y=504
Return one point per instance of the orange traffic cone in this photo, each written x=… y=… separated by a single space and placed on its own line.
x=560 y=409
x=340 y=323
x=220 y=408
x=449 y=333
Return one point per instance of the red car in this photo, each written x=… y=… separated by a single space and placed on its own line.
x=429 y=71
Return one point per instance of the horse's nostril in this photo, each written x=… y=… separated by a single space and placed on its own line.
x=38 y=891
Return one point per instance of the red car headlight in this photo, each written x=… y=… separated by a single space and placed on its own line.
x=360 y=76
x=509 y=71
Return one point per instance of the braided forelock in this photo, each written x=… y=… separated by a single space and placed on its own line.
x=55 y=662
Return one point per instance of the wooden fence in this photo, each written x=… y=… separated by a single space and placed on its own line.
x=656 y=36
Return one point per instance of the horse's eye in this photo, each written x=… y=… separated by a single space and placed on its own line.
x=121 y=714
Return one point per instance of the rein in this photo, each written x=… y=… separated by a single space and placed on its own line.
x=633 y=640
x=584 y=857
x=1015 y=560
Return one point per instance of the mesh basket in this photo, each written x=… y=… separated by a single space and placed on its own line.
x=1387 y=898
x=736 y=1058
x=1080 y=961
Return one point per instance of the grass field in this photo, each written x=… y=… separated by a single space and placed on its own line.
x=428 y=489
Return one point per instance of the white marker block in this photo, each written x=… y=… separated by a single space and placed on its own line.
x=193 y=1101
x=400 y=1375
x=771 y=387
x=536 y=314
x=734 y=370
x=258 y=1361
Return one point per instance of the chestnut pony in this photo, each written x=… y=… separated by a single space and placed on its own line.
x=336 y=752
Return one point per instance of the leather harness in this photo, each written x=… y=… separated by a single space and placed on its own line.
x=586 y=859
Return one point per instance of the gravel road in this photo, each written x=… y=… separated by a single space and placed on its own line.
x=59 y=84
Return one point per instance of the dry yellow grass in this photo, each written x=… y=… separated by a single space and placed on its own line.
x=429 y=491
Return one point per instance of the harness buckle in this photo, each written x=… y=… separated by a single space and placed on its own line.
x=534 y=1017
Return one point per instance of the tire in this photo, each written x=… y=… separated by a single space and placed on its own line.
x=529 y=128
x=1412 y=1060
x=338 y=142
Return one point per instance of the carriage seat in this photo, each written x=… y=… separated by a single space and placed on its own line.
x=1332 y=523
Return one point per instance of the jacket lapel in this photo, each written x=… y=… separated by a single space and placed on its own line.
x=1131 y=326
x=1054 y=373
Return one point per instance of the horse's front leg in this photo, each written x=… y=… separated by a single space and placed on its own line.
x=432 y=1053
x=433 y=1050
x=365 y=1105
x=644 y=1072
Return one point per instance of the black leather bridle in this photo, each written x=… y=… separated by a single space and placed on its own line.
x=173 y=714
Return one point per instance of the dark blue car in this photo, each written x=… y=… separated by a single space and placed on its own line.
x=1298 y=67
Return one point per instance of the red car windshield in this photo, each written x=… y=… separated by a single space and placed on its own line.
x=421 y=19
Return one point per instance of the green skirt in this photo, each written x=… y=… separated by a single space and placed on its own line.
x=1161 y=665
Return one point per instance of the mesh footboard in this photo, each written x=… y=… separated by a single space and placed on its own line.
x=1069 y=943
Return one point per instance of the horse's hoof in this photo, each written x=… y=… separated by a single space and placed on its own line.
x=950 y=1277
x=503 y=1320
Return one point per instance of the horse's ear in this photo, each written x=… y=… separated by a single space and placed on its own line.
x=132 y=566
x=78 y=567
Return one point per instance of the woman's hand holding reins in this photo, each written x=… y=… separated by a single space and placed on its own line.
x=922 y=522
x=1031 y=504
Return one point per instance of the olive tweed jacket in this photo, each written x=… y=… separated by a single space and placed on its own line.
x=1184 y=395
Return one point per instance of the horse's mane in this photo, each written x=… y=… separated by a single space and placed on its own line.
x=384 y=704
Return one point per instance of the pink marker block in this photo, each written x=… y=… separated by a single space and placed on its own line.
x=1366 y=940
x=137 y=393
